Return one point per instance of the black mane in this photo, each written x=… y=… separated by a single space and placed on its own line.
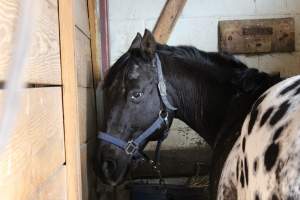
x=117 y=68
x=189 y=54
x=207 y=58
x=225 y=68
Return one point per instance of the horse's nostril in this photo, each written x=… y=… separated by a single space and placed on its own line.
x=109 y=165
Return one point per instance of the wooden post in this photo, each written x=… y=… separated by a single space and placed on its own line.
x=95 y=39
x=167 y=20
x=70 y=99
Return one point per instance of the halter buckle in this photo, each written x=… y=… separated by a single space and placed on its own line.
x=131 y=148
x=164 y=115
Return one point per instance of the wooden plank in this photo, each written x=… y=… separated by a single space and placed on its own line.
x=81 y=16
x=87 y=114
x=36 y=148
x=257 y=36
x=44 y=57
x=83 y=59
x=95 y=39
x=167 y=20
x=88 y=176
x=84 y=172
x=70 y=99
x=55 y=188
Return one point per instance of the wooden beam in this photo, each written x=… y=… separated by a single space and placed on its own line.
x=167 y=20
x=83 y=59
x=81 y=16
x=70 y=99
x=94 y=19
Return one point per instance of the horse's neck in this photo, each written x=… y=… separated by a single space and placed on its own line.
x=213 y=109
x=201 y=102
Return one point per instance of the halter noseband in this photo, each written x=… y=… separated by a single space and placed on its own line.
x=133 y=147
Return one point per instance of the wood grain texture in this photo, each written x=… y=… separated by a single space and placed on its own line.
x=87 y=114
x=43 y=64
x=83 y=59
x=88 y=176
x=36 y=148
x=70 y=99
x=257 y=35
x=55 y=188
x=167 y=20
x=81 y=16
x=94 y=19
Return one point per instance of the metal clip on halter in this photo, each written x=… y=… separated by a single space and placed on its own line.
x=131 y=148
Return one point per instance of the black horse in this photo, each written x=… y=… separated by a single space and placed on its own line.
x=212 y=92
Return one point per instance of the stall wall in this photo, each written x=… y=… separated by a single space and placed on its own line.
x=35 y=164
x=197 y=26
x=32 y=164
x=86 y=96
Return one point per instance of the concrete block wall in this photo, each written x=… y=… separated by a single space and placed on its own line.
x=197 y=26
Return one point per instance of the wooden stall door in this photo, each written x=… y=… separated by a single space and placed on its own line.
x=32 y=163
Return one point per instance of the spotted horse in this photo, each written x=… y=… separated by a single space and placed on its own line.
x=264 y=163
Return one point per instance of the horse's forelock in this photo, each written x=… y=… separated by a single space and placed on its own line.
x=117 y=68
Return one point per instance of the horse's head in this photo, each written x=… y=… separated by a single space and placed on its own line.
x=133 y=103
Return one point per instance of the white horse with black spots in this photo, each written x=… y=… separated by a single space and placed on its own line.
x=264 y=163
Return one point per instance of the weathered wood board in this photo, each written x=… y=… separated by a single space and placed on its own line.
x=43 y=64
x=70 y=99
x=88 y=176
x=36 y=147
x=257 y=36
x=87 y=114
x=94 y=19
x=55 y=188
x=167 y=20
x=81 y=16
x=83 y=59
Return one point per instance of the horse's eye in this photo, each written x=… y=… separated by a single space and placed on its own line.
x=136 y=95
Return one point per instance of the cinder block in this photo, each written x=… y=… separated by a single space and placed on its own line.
x=135 y=9
x=122 y=32
x=271 y=7
x=288 y=64
x=258 y=16
x=201 y=33
x=180 y=137
x=293 y=6
x=251 y=61
x=196 y=8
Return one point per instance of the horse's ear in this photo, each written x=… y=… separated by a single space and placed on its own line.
x=136 y=43
x=148 y=43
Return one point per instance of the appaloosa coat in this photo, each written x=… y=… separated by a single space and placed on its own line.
x=265 y=161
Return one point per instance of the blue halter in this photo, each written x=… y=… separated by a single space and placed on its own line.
x=133 y=147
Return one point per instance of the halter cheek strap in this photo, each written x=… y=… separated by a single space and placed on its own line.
x=162 y=84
